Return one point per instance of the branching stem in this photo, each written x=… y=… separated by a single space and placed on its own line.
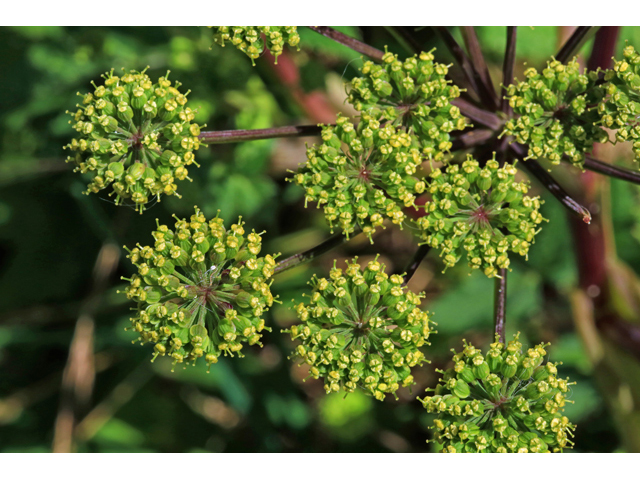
x=475 y=78
x=477 y=58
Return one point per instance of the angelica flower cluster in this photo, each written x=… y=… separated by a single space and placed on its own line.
x=481 y=212
x=505 y=401
x=136 y=136
x=253 y=40
x=362 y=175
x=202 y=290
x=620 y=108
x=413 y=95
x=555 y=111
x=361 y=329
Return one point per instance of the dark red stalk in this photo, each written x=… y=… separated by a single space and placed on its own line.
x=474 y=77
x=500 y=303
x=507 y=67
x=350 y=42
x=573 y=44
x=232 y=136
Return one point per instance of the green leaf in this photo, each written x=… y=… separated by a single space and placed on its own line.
x=119 y=432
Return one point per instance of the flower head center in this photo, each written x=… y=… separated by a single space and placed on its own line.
x=136 y=140
x=481 y=216
x=364 y=174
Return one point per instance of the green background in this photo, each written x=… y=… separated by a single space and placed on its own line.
x=51 y=235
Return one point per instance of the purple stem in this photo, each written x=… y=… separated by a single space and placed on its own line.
x=550 y=184
x=350 y=42
x=473 y=76
x=507 y=67
x=417 y=259
x=483 y=117
x=595 y=165
x=232 y=136
x=500 y=303
x=301 y=258
x=573 y=44
x=477 y=58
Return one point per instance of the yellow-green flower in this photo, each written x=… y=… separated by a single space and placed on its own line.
x=135 y=136
x=362 y=329
x=201 y=289
x=250 y=41
x=505 y=401
x=481 y=212
x=362 y=175
x=414 y=95
x=620 y=109
x=556 y=112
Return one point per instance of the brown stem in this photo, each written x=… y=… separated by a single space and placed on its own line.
x=305 y=257
x=595 y=165
x=477 y=58
x=473 y=76
x=119 y=396
x=232 y=136
x=500 y=303
x=483 y=117
x=573 y=44
x=507 y=66
x=79 y=372
x=472 y=138
x=554 y=187
x=417 y=259
x=350 y=42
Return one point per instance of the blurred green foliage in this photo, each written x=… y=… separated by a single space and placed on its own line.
x=51 y=235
